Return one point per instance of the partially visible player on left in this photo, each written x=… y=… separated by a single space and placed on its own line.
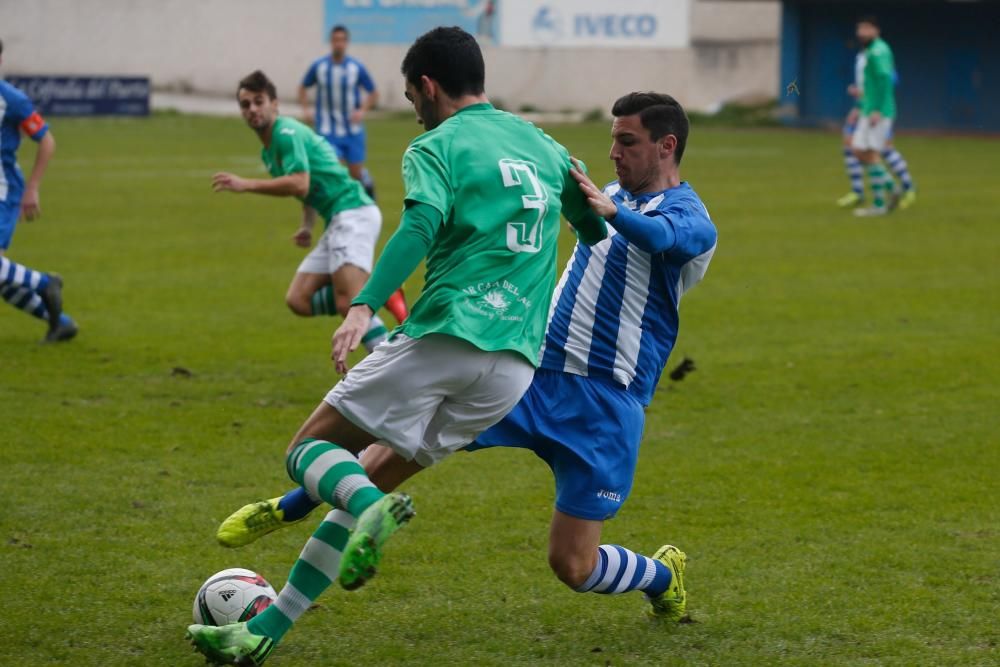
x=35 y=292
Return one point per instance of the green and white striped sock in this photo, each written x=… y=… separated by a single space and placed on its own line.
x=877 y=176
x=316 y=569
x=332 y=474
x=323 y=302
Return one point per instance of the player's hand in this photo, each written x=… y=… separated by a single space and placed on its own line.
x=357 y=116
x=30 y=206
x=348 y=335
x=223 y=181
x=599 y=202
x=303 y=237
x=874 y=117
x=852 y=116
x=854 y=91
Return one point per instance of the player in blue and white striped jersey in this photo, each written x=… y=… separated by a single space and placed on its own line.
x=35 y=292
x=345 y=92
x=613 y=323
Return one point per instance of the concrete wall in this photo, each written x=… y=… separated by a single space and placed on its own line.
x=206 y=46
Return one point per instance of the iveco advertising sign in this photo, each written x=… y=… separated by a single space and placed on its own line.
x=650 y=24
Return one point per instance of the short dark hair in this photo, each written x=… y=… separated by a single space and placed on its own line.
x=659 y=113
x=257 y=82
x=340 y=27
x=869 y=18
x=450 y=56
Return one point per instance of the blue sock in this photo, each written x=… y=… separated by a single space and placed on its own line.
x=619 y=570
x=895 y=160
x=854 y=172
x=297 y=504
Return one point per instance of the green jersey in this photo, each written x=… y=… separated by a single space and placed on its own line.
x=296 y=148
x=877 y=92
x=499 y=184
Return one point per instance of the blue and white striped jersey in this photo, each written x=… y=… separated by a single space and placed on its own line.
x=338 y=93
x=614 y=311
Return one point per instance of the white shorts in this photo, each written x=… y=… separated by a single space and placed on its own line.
x=428 y=397
x=871 y=137
x=350 y=239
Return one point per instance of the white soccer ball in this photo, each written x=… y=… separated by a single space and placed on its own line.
x=232 y=596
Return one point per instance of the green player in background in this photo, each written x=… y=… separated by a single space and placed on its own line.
x=303 y=165
x=484 y=191
x=877 y=112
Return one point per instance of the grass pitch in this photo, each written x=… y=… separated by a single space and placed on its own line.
x=830 y=467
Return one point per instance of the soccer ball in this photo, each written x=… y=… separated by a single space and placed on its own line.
x=232 y=596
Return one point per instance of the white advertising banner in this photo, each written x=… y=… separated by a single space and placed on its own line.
x=631 y=24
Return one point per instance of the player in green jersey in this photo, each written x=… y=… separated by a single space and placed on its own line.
x=484 y=190
x=877 y=111
x=303 y=165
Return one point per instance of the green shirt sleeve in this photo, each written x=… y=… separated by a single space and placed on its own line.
x=290 y=148
x=426 y=179
x=590 y=227
x=402 y=254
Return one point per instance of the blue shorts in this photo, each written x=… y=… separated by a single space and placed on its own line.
x=350 y=148
x=587 y=429
x=10 y=211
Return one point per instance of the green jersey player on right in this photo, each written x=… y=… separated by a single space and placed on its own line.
x=484 y=190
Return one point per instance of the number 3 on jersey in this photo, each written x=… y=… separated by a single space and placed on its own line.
x=525 y=236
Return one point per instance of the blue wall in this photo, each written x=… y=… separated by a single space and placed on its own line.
x=947 y=55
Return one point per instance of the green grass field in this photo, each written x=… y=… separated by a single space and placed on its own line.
x=830 y=468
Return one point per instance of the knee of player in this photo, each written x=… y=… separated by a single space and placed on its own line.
x=342 y=299
x=570 y=569
x=298 y=304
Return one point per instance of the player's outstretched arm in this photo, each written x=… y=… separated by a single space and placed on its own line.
x=291 y=185
x=401 y=256
x=651 y=233
x=31 y=207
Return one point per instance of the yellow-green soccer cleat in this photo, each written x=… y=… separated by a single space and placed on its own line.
x=252 y=522
x=230 y=644
x=907 y=199
x=850 y=199
x=364 y=547
x=672 y=603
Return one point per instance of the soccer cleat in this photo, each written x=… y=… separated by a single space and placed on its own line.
x=850 y=199
x=64 y=330
x=893 y=201
x=908 y=198
x=397 y=305
x=252 y=522
x=872 y=211
x=364 y=547
x=230 y=644
x=672 y=603
x=52 y=298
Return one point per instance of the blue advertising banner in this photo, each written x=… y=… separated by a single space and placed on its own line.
x=86 y=95
x=402 y=21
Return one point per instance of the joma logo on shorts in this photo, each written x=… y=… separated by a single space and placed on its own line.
x=610 y=495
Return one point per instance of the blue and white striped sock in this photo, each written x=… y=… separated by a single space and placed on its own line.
x=854 y=172
x=18 y=275
x=26 y=300
x=895 y=160
x=619 y=570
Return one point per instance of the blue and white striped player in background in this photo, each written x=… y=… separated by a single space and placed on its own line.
x=612 y=325
x=35 y=292
x=345 y=92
